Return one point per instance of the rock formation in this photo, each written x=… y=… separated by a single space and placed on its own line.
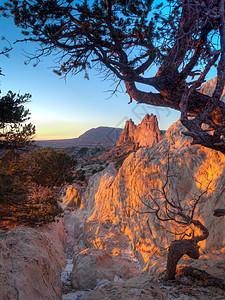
x=30 y=263
x=72 y=198
x=127 y=135
x=209 y=87
x=113 y=231
x=120 y=197
x=92 y=266
x=146 y=134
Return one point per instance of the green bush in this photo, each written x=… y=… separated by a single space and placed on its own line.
x=49 y=167
x=30 y=184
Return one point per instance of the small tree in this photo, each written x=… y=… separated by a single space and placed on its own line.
x=180 y=211
x=49 y=167
x=14 y=134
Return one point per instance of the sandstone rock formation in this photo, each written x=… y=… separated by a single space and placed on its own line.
x=31 y=262
x=120 y=197
x=127 y=135
x=141 y=287
x=146 y=134
x=209 y=87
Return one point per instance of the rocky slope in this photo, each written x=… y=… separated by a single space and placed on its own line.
x=116 y=228
x=111 y=238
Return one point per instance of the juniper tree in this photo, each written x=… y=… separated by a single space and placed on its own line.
x=15 y=133
x=123 y=39
x=172 y=203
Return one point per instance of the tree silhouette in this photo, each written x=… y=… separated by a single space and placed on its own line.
x=185 y=39
x=13 y=133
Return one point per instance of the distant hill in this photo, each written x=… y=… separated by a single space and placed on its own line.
x=100 y=136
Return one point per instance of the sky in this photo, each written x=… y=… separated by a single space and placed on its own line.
x=62 y=108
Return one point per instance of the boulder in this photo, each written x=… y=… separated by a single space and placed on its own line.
x=31 y=263
x=92 y=266
x=141 y=287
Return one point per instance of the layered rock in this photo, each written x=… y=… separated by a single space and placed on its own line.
x=146 y=134
x=31 y=262
x=120 y=197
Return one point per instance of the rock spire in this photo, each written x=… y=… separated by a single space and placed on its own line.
x=146 y=134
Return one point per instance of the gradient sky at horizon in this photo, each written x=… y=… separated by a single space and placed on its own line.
x=67 y=108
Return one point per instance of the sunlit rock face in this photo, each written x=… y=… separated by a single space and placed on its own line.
x=127 y=134
x=209 y=87
x=146 y=134
x=121 y=197
x=31 y=262
x=72 y=198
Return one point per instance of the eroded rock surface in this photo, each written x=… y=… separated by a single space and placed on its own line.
x=92 y=266
x=121 y=196
x=31 y=262
x=142 y=287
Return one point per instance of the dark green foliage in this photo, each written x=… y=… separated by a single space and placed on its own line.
x=30 y=184
x=14 y=134
x=41 y=207
x=80 y=175
x=100 y=169
x=49 y=167
x=94 y=171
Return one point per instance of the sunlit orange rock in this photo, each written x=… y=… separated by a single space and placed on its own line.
x=146 y=134
x=209 y=87
x=72 y=198
x=120 y=197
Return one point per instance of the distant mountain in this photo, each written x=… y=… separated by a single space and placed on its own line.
x=100 y=136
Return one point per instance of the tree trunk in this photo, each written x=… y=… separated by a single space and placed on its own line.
x=180 y=247
x=208 y=279
x=176 y=250
x=219 y=212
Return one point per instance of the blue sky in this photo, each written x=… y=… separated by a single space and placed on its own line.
x=66 y=109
